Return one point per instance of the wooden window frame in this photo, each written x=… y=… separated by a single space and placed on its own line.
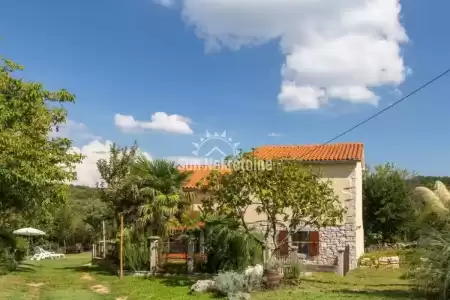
x=308 y=245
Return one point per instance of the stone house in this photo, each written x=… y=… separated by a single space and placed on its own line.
x=343 y=165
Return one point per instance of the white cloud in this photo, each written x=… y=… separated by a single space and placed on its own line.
x=87 y=171
x=75 y=131
x=166 y=3
x=275 y=134
x=356 y=94
x=160 y=121
x=337 y=49
x=293 y=97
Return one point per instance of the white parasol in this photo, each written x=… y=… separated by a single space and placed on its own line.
x=28 y=232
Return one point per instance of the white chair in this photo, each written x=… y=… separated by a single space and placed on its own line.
x=52 y=255
x=39 y=254
x=43 y=254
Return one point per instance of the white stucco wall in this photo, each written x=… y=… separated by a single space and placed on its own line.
x=359 y=211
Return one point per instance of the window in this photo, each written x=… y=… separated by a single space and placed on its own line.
x=307 y=242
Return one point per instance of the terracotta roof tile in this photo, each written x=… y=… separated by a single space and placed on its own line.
x=331 y=152
x=199 y=173
x=310 y=153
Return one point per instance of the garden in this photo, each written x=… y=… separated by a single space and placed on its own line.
x=73 y=278
x=138 y=198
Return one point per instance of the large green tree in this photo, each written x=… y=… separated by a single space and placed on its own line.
x=34 y=167
x=288 y=195
x=387 y=203
x=148 y=192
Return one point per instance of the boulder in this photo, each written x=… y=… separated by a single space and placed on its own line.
x=257 y=270
x=202 y=286
x=239 y=296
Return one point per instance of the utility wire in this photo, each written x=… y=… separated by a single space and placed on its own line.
x=441 y=75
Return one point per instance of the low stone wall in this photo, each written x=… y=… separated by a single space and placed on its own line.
x=392 y=262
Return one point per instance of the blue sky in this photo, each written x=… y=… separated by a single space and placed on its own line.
x=135 y=58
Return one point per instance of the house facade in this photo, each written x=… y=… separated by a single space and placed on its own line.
x=342 y=164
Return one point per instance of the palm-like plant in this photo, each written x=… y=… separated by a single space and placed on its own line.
x=159 y=184
x=433 y=201
x=433 y=206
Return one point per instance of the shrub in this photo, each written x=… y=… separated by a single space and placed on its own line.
x=228 y=247
x=12 y=252
x=20 y=250
x=136 y=256
x=431 y=270
x=294 y=268
x=136 y=251
x=230 y=283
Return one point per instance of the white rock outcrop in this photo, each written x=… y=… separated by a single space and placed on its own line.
x=202 y=286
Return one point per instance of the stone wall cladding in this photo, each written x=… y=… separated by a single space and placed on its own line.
x=332 y=239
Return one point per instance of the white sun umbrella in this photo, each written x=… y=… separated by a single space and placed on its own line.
x=28 y=232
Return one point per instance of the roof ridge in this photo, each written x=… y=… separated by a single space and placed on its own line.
x=311 y=145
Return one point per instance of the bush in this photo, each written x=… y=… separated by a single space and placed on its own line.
x=12 y=252
x=230 y=283
x=7 y=262
x=431 y=268
x=228 y=247
x=20 y=250
x=294 y=268
x=136 y=256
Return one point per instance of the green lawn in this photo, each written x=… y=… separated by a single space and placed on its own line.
x=68 y=279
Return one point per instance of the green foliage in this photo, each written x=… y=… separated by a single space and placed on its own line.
x=79 y=220
x=20 y=248
x=34 y=168
x=432 y=272
x=12 y=252
x=116 y=190
x=136 y=252
x=229 y=283
x=288 y=193
x=159 y=183
x=387 y=204
x=429 y=181
x=293 y=268
x=229 y=246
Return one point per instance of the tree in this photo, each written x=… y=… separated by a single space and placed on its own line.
x=148 y=193
x=287 y=195
x=64 y=225
x=164 y=202
x=387 y=203
x=116 y=189
x=34 y=168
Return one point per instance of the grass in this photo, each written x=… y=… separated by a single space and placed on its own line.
x=69 y=279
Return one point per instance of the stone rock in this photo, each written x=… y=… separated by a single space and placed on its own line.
x=366 y=261
x=202 y=286
x=389 y=260
x=256 y=271
x=239 y=296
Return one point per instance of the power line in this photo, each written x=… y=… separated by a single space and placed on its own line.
x=382 y=111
